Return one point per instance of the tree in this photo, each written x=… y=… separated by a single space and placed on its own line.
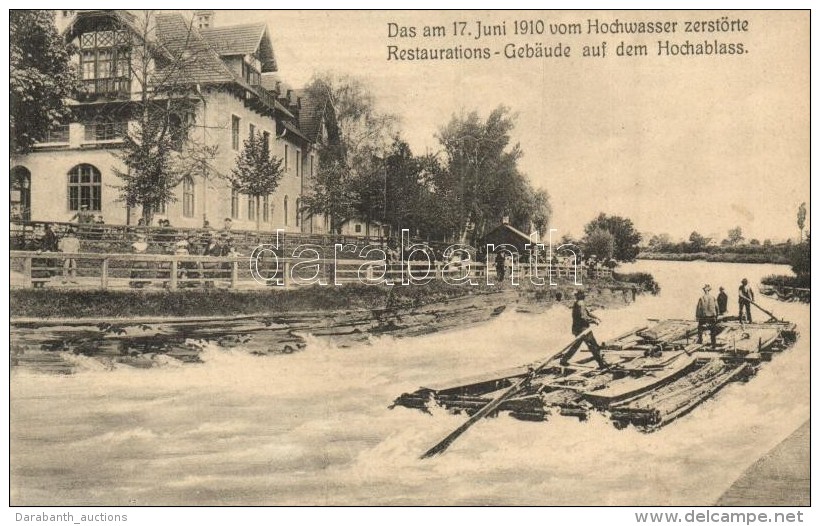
x=158 y=151
x=735 y=236
x=800 y=257
x=257 y=173
x=697 y=242
x=626 y=237
x=41 y=77
x=801 y=219
x=754 y=242
x=482 y=168
x=358 y=135
x=599 y=243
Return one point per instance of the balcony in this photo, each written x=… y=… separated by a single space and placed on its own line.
x=56 y=137
x=113 y=88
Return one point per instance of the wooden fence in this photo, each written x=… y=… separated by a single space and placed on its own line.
x=24 y=234
x=58 y=269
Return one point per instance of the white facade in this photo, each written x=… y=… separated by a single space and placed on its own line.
x=77 y=165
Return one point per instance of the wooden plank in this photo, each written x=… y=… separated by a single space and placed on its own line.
x=628 y=386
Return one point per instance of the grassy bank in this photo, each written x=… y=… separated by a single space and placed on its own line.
x=39 y=303
x=56 y=303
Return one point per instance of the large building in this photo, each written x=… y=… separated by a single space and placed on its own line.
x=229 y=76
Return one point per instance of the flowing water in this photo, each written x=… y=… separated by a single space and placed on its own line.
x=314 y=427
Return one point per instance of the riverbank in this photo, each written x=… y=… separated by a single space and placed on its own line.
x=780 y=478
x=130 y=304
x=52 y=329
x=721 y=257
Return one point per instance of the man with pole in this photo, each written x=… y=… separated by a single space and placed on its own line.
x=582 y=318
x=745 y=297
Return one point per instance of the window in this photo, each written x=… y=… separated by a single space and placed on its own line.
x=358 y=228
x=298 y=162
x=250 y=74
x=286 y=157
x=235 y=132
x=285 y=210
x=251 y=130
x=84 y=187
x=58 y=134
x=298 y=212
x=188 y=196
x=105 y=62
x=251 y=208
x=266 y=141
x=266 y=209
x=20 y=194
x=234 y=203
x=177 y=131
x=311 y=165
x=104 y=131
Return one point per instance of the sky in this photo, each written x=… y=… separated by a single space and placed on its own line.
x=677 y=144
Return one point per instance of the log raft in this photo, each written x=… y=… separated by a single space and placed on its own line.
x=655 y=375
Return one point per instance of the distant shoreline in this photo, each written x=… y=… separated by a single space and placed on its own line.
x=730 y=257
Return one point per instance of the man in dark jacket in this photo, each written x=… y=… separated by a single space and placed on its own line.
x=582 y=318
x=722 y=302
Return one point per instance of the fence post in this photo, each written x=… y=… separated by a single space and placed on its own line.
x=286 y=274
x=104 y=274
x=27 y=273
x=172 y=284
x=234 y=273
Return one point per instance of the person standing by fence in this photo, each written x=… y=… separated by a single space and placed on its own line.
x=140 y=270
x=70 y=244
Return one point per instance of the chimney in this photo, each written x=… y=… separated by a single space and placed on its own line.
x=204 y=18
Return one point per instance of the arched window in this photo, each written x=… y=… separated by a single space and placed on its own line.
x=188 y=196
x=84 y=188
x=285 y=210
x=298 y=211
x=20 y=194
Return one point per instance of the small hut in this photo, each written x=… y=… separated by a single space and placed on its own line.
x=506 y=234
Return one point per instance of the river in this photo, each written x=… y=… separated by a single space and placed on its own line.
x=314 y=427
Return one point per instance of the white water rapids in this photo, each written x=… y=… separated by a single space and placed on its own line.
x=314 y=427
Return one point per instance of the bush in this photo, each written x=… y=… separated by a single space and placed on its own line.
x=644 y=280
x=777 y=280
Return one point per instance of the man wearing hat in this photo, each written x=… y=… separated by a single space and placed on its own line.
x=706 y=314
x=83 y=216
x=582 y=318
x=745 y=297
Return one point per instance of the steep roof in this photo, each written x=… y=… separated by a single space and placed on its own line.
x=244 y=39
x=197 y=61
x=310 y=115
